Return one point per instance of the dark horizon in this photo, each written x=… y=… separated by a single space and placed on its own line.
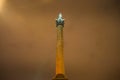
x=91 y=39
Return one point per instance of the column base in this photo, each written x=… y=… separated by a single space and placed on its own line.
x=60 y=77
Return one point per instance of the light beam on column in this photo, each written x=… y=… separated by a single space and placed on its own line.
x=2 y=3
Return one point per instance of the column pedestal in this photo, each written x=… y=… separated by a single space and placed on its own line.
x=60 y=77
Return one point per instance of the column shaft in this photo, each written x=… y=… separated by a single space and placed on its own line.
x=59 y=51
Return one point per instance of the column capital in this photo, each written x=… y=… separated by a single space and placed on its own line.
x=60 y=20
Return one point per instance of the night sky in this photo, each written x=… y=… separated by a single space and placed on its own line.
x=28 y=39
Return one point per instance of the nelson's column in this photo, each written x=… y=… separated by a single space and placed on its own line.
x=60 y=71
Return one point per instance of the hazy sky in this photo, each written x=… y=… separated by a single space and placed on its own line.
x=91 y=39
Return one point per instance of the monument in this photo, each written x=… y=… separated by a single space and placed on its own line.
x=60 y=70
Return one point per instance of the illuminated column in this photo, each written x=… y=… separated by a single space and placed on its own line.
x=60 y=71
